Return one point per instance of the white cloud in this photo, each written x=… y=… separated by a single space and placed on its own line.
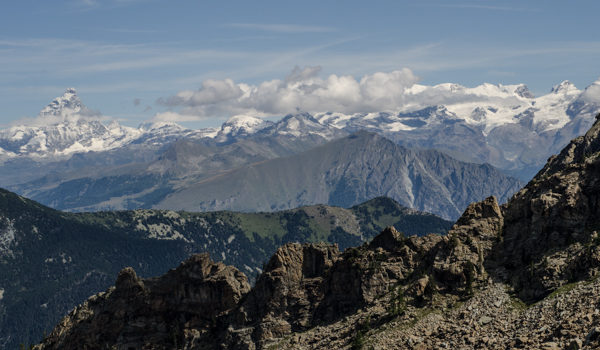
x=66 y=118
x=212 y=92
x=302 y=89
x=592 y=93
x=282 y=28
x=174 y=117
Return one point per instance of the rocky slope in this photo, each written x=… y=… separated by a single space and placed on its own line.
x=521 y=275
x=51 y=261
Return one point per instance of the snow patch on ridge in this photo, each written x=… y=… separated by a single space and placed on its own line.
x=7 y=238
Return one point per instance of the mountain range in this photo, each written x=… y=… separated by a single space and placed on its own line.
x=71 y=159
x=472 y=124
x=519 y=275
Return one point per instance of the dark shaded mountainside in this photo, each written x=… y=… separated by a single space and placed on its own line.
x=277 y=172
x=520 y=275
x=51 y=261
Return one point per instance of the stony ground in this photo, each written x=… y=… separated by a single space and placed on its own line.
x=491 y=319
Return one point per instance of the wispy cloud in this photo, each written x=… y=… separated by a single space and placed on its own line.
x=45 y=66
x=133 y=31
x=89 y=5
x=480 y=6
x=282 y=28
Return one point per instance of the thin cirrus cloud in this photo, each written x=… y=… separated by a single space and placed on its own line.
x=97 y=3
x=489 y=7
x=282 y=28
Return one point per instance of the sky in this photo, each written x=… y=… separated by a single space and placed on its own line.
x=140 y=60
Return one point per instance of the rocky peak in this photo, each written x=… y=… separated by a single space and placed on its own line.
x=177 y=308
x=68 y=103
x=289 y=290
x=563 y=88
x=128 y=280
x=389 y=239
x=550 y=225
x=523 y=91
x=480 y=219
x=579 y=151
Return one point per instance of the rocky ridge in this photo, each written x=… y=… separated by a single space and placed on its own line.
x=174 y=309
x=51 y=261
x=520 y=275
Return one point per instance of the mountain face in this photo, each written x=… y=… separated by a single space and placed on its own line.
x=269 y=172
x=51 y=261
x=345 y=172
x=467 y=289
x=107 y=181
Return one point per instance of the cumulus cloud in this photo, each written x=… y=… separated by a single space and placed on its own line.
x=303 y=89
x=592 y=93
x=211 y=92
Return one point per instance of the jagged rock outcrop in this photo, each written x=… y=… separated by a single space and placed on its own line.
x=551 y=225
x=287 y=294
x=467 y=289
x=178 y=308
x=460 y=263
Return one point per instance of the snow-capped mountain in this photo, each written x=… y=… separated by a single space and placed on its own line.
x=486 y=107
x=504 y=125
x=68 y=104
x=62 y=128
x=303 y=125
x=66 y=127
x=241 y=126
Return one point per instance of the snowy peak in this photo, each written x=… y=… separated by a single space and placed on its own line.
x=523 y=91
x=487 y=90
x=246 y=122
x=160 y=126
x=67 y=104
x=241 y=126
x=295 y=124
x=565 y=87
x=62 y=128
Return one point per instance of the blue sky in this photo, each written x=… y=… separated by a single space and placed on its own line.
x=125 y=55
